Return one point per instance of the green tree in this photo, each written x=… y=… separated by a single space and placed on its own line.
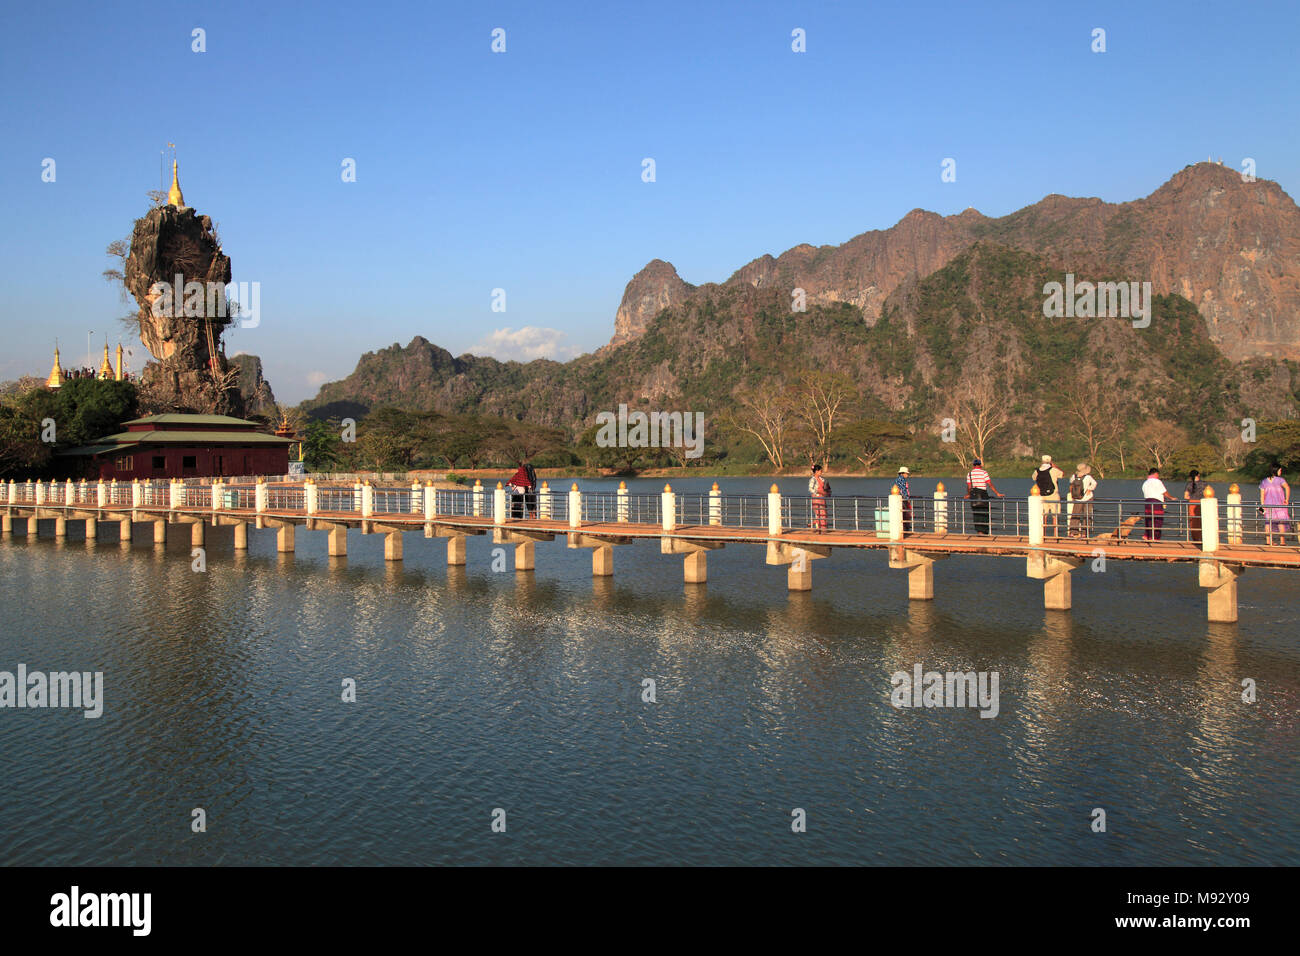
x=867 y=440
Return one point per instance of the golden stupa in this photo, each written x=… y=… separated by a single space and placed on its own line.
x=174 y=197
x=105 y=369
x=56 y=374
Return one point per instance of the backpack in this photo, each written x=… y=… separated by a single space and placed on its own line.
x=1043 y=478
x=1076 y=487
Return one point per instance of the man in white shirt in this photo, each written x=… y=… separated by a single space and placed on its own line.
x=1082 y=486
x=1046 y=477
x=1154 y=491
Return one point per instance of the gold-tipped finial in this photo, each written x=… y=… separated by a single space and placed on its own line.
x=174 y=197
x=56 y=374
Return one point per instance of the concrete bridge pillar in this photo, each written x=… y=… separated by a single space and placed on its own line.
x=393 y=546
x=60 y=527
x=160 y=532
x=124 y=528
x=697 y=567
x=197 y=534
x=602 y=561
x=525 y=556
x=456 y=551
x=241 y=536
x=6 y=524
x=1221 y=580
x=284 y=538
x=92 y=529
x=798 y=576
x=1053 y=570
x=338 y=542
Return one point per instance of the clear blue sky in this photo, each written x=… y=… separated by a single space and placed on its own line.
x=522 y=170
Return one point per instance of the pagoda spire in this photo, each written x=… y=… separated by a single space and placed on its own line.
x=174 y=197
x=105 y=367
x=56 y=374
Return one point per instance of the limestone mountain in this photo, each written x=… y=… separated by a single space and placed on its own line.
x=1230 y=247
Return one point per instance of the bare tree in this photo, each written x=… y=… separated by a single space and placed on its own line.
x=1159 y=439
x=822 y=397
x=768 y=415
x=980 y=410
x=1095 y=416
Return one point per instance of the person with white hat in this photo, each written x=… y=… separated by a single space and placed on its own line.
x=1046 y=477
x=901 y=483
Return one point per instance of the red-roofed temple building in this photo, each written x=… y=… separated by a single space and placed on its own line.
x=185 y=446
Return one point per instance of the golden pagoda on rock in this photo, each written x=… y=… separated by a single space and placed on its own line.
x=105 y=369
x=174 y=197
x=56 y=374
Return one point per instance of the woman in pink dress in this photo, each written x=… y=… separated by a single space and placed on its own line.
x=1275 y=497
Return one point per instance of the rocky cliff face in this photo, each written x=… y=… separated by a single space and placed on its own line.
x=189 y=374
x=253 y=388
x=1230 y=247
x=656 y=287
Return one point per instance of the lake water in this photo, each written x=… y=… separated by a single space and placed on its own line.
x=479 y=690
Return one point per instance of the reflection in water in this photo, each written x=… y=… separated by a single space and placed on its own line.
x=524 y=689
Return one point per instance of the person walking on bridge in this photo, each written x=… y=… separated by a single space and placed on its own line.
x=978 y=486
x=818 y=489
x=1275 y=499
x=1154 y=491
x=1047 y=477
x=1193 y=494
x=901 y=483
x=1082 y=486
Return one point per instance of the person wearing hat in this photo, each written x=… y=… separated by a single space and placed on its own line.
x=978 y=486
x=1046 y=477
x=1082 y=486
x=901 y=483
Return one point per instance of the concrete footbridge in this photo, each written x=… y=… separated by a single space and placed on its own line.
x=1222 y=538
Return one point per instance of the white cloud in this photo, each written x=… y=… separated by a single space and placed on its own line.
x=525 y=344
x=317 y=378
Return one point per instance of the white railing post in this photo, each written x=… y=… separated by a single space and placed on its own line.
x=367 y=499
x=175 y=493
x=260 y=495
x=430 y=501
x=476 y=496
x=669 y=508
x=1209 y=521
x=895 y=514
x=69 y=492
x=1035 y=517
x=1234 y=514
x=575 y=506
x=499 y=504
x=621 y=511
x=137 y=493
x=40 y=492
x=415 y=498
x=356 y=495
x=218 y=492
x=101 y=494
x=715 y=505
x=112 y=491
x=940 y=510
x=544 y=501
x=774 y=511
x=310 y=496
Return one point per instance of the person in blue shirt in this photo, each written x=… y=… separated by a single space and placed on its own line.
x=901 y=483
